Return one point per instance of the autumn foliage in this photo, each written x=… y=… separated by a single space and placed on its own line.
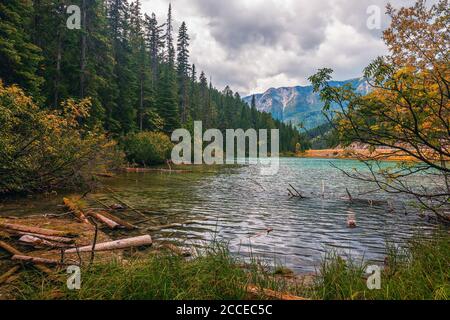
x=407 y=110
x=41 y=150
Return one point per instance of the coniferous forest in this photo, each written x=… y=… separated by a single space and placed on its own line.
x=134 y=68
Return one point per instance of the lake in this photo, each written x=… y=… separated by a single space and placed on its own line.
x=238 y=205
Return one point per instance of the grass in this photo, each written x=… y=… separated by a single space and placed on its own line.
x=215 y=274
x=418 y=271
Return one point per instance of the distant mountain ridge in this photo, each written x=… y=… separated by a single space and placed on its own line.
x=299 y=105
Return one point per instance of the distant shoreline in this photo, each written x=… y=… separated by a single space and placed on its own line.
x=354 y=154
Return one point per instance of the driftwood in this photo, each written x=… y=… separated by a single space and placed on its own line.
x=113 y=194
x=14 y=251
x=271 y=294
x=114 y=222
x=38 y=242
x=119 y=221
x=350 y=198
x=170 y=225
x=104 y=175
x=297 y=194
x=4 y=278
x=177 y=250
x=35 y=230
x=50 y=238
x=114 y=245
x=35 y=260
x=101 y=217
x=76 y=210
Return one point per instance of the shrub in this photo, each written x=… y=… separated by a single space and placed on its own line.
x=44 y=150
x=147 y=148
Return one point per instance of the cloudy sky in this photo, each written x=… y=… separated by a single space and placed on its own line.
x=253 y=45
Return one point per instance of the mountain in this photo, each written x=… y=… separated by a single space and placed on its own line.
x=299 y=105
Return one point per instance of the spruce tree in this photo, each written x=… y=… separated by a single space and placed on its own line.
x=170 y=53
x=155 y=44
x=183 y=68
x=19 y=57
x=194 y=97
x=139 y=58
x=124 y=115
x=167 y=100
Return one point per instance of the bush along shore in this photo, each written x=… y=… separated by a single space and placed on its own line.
x=118 y=259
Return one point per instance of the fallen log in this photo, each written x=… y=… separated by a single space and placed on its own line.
x=14 y=251
x=118 y=220
x=298 y=193
x=254 y=290
x=104 y=175
x=4 y=278
x=177 y=250
x=35 y=260
x=113 y=194
x=76 y=210
x=100 y=217
x=38 y=242
x=170 y=225
x=36 y=230
x=121 y=223
x=114 y=245
x=50 y=238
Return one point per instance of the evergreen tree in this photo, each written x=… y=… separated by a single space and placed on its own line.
x=155 y=44
x=170 y=54
x=254 y=112
x=204 y=98
x=123 y=117
x=19 y=57
x=183 y=68
x=167 y=100
x=139 y=59
x=194 y=97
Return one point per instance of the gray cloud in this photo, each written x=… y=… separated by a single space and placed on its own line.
x=252 y=45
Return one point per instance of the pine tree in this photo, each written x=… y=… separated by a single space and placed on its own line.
x=155 y=44
x=99 y=78
x=139 y=56
x=183 y=68
x=194 y=97
x=167 y=100
x=123 y=117
x=170 y=54
x=254 y=113
x=204 y=97
x=19 y=57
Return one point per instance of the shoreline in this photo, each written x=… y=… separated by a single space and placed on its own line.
x=354 y=154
